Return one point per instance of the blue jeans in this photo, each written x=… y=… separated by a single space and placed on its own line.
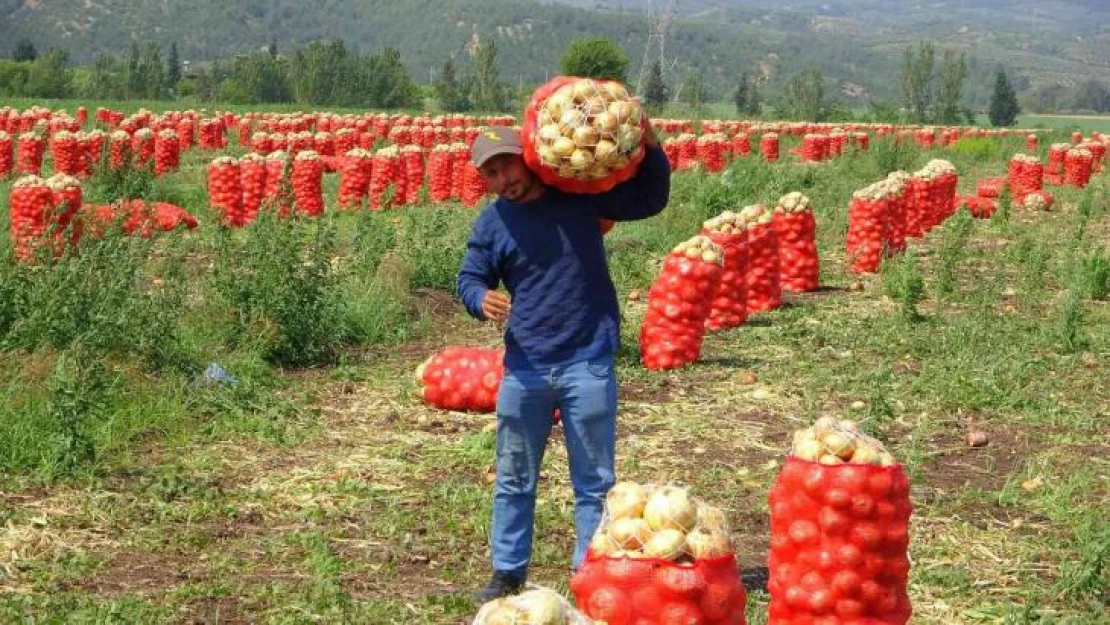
x=586 y=395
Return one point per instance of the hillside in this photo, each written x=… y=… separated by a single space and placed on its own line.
x=856 y=43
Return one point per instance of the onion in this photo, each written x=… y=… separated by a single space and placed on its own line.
x=808 y=450
x=500 y=612
x=626 y=499
x=629 y=532
x=707 y=544
x=667 y=543
x=670 y=507
x=712 y=519
x=543 y=607
x=602 y=545
x=865 y=454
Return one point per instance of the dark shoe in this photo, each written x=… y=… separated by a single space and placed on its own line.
x=755 y=578
x=500 y=585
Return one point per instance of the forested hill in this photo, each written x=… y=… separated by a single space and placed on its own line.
x=857 y=44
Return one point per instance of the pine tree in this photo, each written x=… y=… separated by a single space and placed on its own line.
x=173 y=68
x=1004 y=107
x=754 y=107
x=134 y=72
x=449 y=92
x=742 y=94
x=24 y=51
x=655 y=91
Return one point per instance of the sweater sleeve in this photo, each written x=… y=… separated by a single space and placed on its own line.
x=642 y=196
x=479 y=269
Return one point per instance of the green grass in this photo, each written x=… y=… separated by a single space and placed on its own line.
x=320 y=489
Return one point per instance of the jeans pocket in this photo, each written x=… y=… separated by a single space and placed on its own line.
x=600 y=369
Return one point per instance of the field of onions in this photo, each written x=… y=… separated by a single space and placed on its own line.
x=239 y=388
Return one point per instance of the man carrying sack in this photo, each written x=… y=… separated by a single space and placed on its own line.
x=545 y=246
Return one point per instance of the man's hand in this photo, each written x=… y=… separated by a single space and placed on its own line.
x=495 y=305
x=650 y=138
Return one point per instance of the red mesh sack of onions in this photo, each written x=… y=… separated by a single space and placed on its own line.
x=1078 y=163
x=763 y=275
x=897 y=203
x=660 y=556
x=840 y=513
x=534 y=606
x=1039 y=201
x=1026 y=174
x=583 y=135
x=729 y=307
x=990 y=187
x=867 y=228
x=679 y=302
x=462 y=378
x=1056 y=155
x=796 y=231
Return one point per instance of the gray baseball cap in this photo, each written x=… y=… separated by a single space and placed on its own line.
x=493 y=141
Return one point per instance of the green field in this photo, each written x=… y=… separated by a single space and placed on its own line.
x=320 y=489
x=1083 y=123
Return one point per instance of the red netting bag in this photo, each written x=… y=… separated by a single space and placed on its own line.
x=383 y=178
x=91 y=150
x=979 y=207
x=323 y=144
x=462 y=378
x=354 y=177
x=1031 y=142
x=29 y=153
x=763 y=273
x=897 y=202
x=670 y=149
x=473 y=185
x=1056 y=154
x=583 y=135
x=225 y=189
x=840 y=513
x=186 y=133
x=989 y=187
x=1026 y=175
x=729 y=307
x=711 y=152
x=660 y=556
x=1077 y=167
x=65 y=151
x=440 y=164
x=679 y=302
x=252 y=178
x=308 y=178
x=687 y=143
x=1039 y=201
x=460 y=160
x=30 y=201
x=867 y=228
x=534 y=606
x=796 y=234
x=862 y=141
x=1098 y=153
x=278 y=191
x=167 y=153
x=412 y=161
x=119 y=150
x=741 y=144
x=769 y=147
x=7 y=160
x=142 y=146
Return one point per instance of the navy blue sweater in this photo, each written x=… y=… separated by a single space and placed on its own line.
x=549 y=255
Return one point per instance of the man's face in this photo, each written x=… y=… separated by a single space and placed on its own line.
x=508 y=176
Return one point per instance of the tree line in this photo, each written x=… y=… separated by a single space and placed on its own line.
x=329 y=73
